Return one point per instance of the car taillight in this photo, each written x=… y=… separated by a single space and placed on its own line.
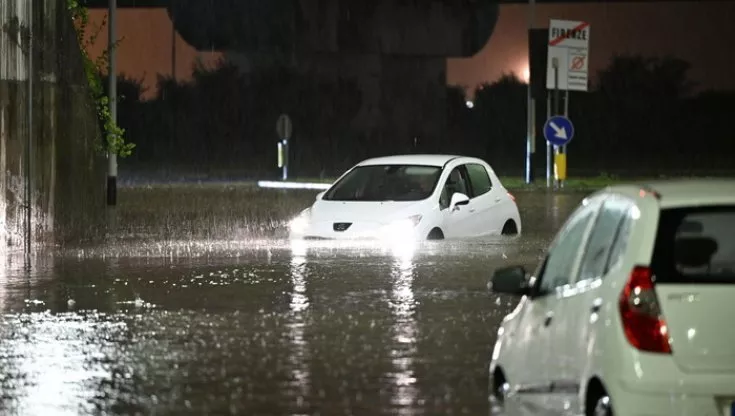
x=643 y=323
x=512 y=198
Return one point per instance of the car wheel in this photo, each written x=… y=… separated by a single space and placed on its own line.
x=602 y=406
x=435 y=234
x=499 y=386
x=509 y=228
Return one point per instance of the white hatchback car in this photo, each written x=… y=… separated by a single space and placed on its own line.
x=629 y=311
x=413 y=197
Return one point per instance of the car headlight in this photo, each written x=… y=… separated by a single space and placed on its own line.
x=301 y=221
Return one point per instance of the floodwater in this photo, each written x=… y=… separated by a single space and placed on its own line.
x=259 y=326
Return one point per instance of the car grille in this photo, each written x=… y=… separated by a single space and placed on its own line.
x=341 y=226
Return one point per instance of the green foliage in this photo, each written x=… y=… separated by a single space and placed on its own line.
x=115 y=135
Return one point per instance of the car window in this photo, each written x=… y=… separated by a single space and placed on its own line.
x=601 y=238
x=479 y=179
x=563 y=254
x=456 y=182
x=621 y=242
x=695 y=245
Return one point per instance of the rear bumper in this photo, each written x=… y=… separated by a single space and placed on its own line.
x=669 y=403
x=655 y=385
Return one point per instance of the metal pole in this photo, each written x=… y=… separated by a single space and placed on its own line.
x=285 y=159
x=548 y=145
x=556 y=87
x=29 y=143
x=530 y=114
x=112 y=78
x=555 y=64
x=566 y=114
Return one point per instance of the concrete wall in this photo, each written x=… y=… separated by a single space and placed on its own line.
x=67 y=172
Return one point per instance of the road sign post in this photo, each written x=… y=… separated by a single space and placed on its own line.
x=569 y=44
x=284 y=129
x=567 y=70
x=558 y=132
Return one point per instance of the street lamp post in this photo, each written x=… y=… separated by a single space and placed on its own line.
x=530 y=113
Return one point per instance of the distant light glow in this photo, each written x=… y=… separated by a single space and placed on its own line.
x=526 y=74
x=469 y=104
x=294 y=185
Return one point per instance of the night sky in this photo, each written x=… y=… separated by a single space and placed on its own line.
x=699 y=31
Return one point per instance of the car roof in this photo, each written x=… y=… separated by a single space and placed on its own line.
x=423 y=159
x=678 y=193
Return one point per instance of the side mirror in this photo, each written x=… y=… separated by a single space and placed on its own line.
x=510 y=281
x=320 y=195
x=458 y=199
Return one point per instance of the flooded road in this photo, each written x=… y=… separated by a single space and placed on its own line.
x=258 y=326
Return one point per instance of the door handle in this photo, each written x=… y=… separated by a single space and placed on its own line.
x=547 y=320
x=595 y=308
x=497 y=199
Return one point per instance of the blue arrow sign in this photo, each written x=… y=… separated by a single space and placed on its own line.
x=558 y=130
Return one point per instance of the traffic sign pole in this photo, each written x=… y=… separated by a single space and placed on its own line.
x=284 y=128
x=564 y=148
x=555 y=65
x=285 y=159
x=548 y=144
x=559 y=131
x=567 y=70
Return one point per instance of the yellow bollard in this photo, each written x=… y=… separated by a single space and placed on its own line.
x=560 y=166
x=280 y=154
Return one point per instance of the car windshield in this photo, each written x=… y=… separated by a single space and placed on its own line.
x=696 y=245
x=386 y=183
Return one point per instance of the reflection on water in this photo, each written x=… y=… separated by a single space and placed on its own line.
x=50 y=366
x=257 y=327
x=298 y=306
x=405 y=330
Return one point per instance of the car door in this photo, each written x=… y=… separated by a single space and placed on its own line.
x=581 y=303
x=556 y=273
x=486 y=202
x=457 y=221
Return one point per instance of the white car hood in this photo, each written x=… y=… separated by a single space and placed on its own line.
x=355 y=211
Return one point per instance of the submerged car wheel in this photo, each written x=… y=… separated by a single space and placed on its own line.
x=598 y=402
x=499 y=386
x=435 y=234
x=509 y=228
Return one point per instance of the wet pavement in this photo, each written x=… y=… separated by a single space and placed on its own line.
x=259 y=326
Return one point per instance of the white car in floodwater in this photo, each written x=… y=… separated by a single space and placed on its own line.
x=411 y=197
x=629 y=311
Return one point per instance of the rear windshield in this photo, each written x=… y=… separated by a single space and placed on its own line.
x=695 y=245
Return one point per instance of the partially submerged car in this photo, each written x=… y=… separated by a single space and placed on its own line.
x=411 y=197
